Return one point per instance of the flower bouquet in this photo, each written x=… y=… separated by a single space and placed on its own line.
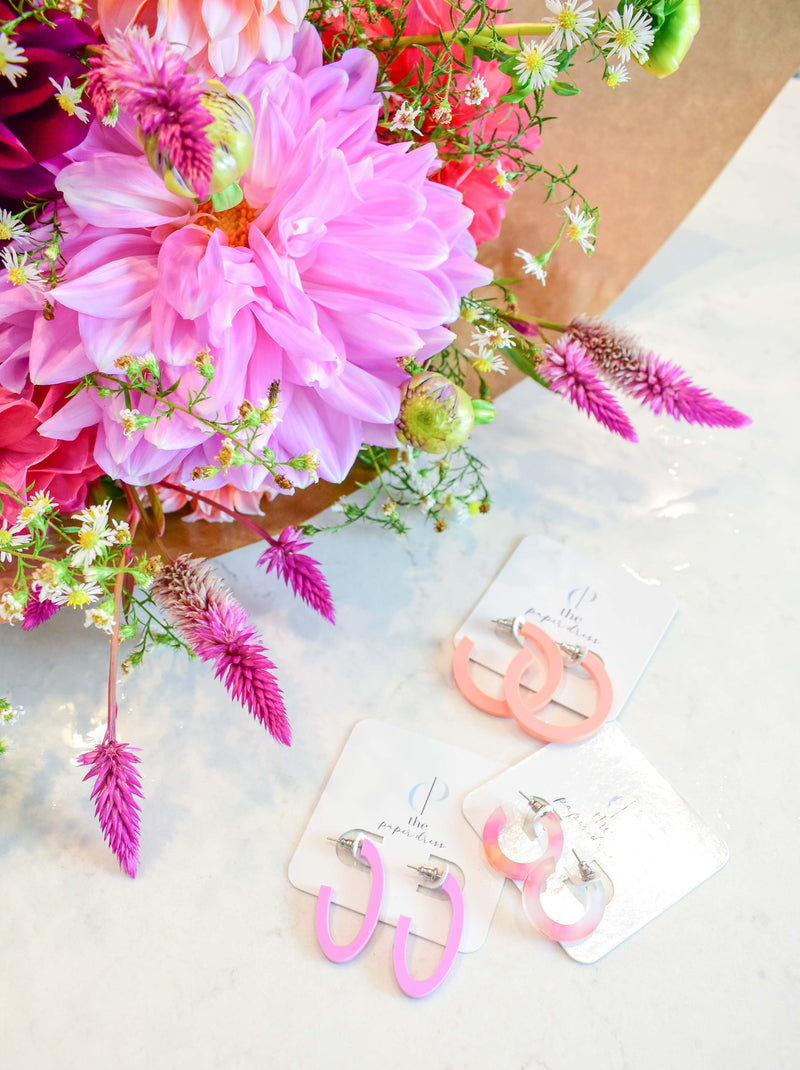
x=239 y=255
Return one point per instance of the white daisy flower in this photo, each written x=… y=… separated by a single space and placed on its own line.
x=19 y=271
x=405 y=117
x=11 y=229
x=10 y=609
x=68 y=98
x=77 y=595
x=580 y=229
x=90 y=544
x=572 y=22
x=12 y=60
x=491 y=337
x=488 y=361
x=616 y=75
x=101 y=618
x=94 y=516
x=10 y=539
x=476 y=91
x=502 y=180
x=536 y=64
x=629 y=33
x=532 y=265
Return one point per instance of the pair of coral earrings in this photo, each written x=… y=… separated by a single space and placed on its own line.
x=365 y=852
x=524 y=711
x=542 y=821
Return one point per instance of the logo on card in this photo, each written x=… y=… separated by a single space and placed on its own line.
x=423 y=795
x=580 y=596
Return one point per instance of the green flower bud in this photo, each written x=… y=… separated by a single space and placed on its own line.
x=435 y=414
x=673 y=38
x=484 y=411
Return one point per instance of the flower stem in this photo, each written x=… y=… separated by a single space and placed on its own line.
x=244 y=520
x=547 y=324
x=111 y=731
x=509 y=29
x=135 y=502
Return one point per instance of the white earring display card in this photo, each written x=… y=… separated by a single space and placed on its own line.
x=405 y=791
x=576 y=601
x=618 y=814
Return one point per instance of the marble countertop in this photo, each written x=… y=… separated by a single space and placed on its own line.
x=208 y=959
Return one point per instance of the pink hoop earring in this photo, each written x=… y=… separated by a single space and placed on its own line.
x=500 y=707
x=443 y=879
x=590 y=889
x=364 y=849
x=544 y=818
x=524 y=714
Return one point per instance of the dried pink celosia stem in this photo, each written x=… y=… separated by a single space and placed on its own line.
x=299 y=571
x=116 y=792
x=569 y=371
x=651 y=380
x=217 y=629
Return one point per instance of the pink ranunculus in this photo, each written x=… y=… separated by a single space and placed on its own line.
x=218 y=37
x=62 y=469
x=33 y=126
x=343 y=258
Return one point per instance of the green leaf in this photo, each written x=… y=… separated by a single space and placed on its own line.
x=564 y=89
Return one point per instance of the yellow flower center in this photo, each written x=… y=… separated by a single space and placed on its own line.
x=625 y=37
x=78 y=598
x=575 y=232
x=567 y=20
x=65 y=103
x=88 y=539
x=5 y=231
x=5 y=538
x=612 y=80
x=533 y=61
x=17 y=276
x=234 y=221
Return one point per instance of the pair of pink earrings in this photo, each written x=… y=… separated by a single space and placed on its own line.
x=524 y=711
x=589 y=888
x=365 y=852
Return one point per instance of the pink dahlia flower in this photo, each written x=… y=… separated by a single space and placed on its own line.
x=62 y=469
x=217 y=37
x=342 y=258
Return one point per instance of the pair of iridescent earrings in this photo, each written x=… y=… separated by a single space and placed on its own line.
x=542 y=823
x=364 y=852
x=525 y=710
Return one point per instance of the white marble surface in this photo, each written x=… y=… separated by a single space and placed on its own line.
x=208 y=959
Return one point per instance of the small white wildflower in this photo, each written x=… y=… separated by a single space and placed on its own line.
x=11 y=228
x=532 y=265
x=20 y=271
x=129 y=422
x=616 y=75
x=95 y=516
x=10 y=714
x=12 y=60
x=536 y=64
x=121 y=533
x=489 y=361
x=405 y=117
x=68 y=98
x=11 y=609
x=572 y=22
x=89 y=545
x=443 y=113
x=492 y=337
x=476 y=91
x=47 y=581
x=629 y=33
x=101 y=618
x=335 y=10
x=77 y=595
x=10 y=539
x=502 y=180
x=580 y=229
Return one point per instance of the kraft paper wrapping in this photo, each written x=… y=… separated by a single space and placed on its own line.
x=647 y=151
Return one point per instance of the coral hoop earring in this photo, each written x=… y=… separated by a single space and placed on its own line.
x=499 y=707
x=524 y=714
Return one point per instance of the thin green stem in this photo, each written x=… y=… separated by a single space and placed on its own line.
x=523 y=318
x=509 y=29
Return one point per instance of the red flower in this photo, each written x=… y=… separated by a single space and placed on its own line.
x=33 y=126
x=62 y=469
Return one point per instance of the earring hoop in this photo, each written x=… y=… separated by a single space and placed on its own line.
x=365 y=850
x=500 y=707
x=590 y=890
x=413 y=987
x=524 y=714
x=544 y=817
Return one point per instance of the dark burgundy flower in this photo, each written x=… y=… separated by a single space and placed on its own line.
x=33 y=126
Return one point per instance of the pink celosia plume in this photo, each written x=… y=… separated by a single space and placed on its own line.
x=116 y=794
x=38 y=610
x=218 y=37
x=299 y=571
x=660 y=384
x=151 y=82
x=569 y=371
x=217 y=629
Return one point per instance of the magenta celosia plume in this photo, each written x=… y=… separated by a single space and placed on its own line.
x=302 y=573
x=38 y=611
x=569 y=371
x=660 y=384
x=116 y=794
x=217 y=629
x=343 y=258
